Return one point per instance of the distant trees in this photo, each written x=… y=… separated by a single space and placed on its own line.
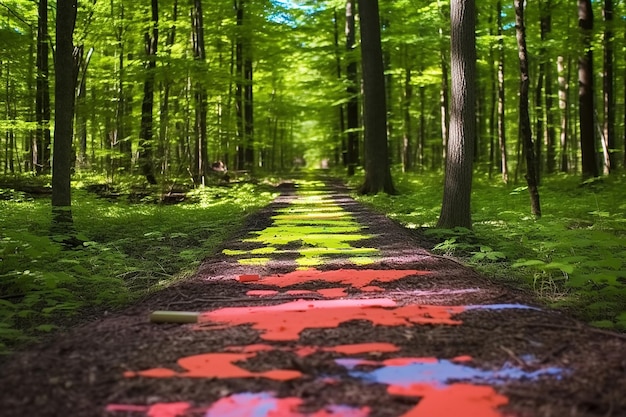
x=173 y=86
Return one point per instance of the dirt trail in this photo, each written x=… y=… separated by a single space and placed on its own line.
x=322 y=308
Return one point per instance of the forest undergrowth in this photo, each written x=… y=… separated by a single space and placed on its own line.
x=573 y=257
x=132 y=245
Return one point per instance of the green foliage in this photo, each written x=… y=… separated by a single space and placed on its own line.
x=573 y=257
x=128 y=250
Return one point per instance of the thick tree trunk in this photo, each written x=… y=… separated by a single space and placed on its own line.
x=147 y=106
x=525 y=129
x=65 y=88
x=455 y=209
x=352 y=90
x=608 y=90
x=586 y=107
x=377 y=172
x=41 y=147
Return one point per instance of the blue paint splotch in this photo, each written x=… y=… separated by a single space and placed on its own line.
x=501 y=307
x=438 y=373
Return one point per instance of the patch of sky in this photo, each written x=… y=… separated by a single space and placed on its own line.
x=283 y=12
x=440 y=373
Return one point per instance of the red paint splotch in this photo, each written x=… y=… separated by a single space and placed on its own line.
x=215 y=365
x=287 y=321
x=452 y=400
x=354 y=277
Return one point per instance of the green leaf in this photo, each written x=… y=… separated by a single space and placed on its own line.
x=529 y=262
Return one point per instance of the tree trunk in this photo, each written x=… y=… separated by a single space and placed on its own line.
x=455 y=209
x=586 y=91
x=444 y=99
x=147 y=106
x=525 y=129
x=64 y=91
x=377 y=172
x=352 y=90
x=244 y=99
x=343 y=145
x=564 y=75
x=504 y=167
x=608 y=90
x=200 y=96
x=550 y=132
x=407 y=147
x=41 y=147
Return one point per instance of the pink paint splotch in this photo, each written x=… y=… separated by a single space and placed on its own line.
x=262 y=404
x=266 y=405
x=286 y=321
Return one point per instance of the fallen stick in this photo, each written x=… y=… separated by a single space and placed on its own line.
x=174 y=317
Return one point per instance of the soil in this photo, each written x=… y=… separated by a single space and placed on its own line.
x=398 y=333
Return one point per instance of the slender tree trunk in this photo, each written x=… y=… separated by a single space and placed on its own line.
x=564 y=75
x=504 y=167
x=526 y=134
x=377 y=172
x=352 y=90
x=550 y=131
x=343 y=145
x=244 y=99
x=41 y=148
x=147 y=106
x=455 y=209
x=586 y=92
x=121 y=143
x=65 y=88
x=444 y=99
x=200 y=96
x=407 y=148
x=608 y=90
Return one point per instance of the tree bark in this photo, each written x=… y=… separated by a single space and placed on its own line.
x=407 y=146
x=147 y=106
x=41 y=147
x=455 y=209
x=352 y=108
x=608 y=90
x=200 y=96
x=64 y=92
x=377 y=171
x=504 y=168
x=586 y=107
x=564 y=75
x=525 y=129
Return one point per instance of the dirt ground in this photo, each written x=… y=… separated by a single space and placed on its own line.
x=351 y=317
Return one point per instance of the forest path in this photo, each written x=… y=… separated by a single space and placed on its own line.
x=320 y=307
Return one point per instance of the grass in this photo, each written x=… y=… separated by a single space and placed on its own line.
x=129 y=250
x=574 y=257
